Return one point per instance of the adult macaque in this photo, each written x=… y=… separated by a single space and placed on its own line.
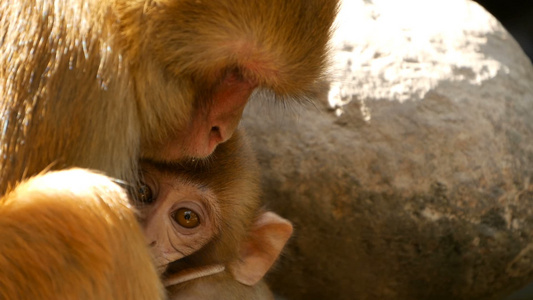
x=203 y=222
x=73 y=235
x=98 y=83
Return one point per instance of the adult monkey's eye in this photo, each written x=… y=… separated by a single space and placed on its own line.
x=144 y=193
x=186 y=217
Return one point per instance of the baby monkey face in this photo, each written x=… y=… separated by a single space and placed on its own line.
x=178 y=215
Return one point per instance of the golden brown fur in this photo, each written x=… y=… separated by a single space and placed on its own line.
x=73 y=235
x=96 y=83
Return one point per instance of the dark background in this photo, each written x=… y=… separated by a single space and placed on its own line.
x=517 y=17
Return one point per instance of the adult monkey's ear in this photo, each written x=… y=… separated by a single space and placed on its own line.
x=261 y=248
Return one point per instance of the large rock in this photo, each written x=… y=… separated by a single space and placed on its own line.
x=413 y=176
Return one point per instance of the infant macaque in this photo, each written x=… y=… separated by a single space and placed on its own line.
x=204 y=223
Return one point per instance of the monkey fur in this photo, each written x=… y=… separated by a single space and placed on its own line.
x=99 y=84
x=72 y=234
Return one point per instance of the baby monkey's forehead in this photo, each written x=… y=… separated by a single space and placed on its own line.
x=177 y=174
x=186 y=181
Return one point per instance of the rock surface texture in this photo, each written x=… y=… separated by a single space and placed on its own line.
x=413 y=176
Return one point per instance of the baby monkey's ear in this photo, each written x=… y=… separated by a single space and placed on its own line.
x=261 y=248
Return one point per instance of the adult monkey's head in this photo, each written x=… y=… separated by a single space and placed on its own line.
x=98 y=83
x=209 y=56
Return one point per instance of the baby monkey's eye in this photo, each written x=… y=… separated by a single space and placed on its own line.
x=186 y=217
x=144 y=193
